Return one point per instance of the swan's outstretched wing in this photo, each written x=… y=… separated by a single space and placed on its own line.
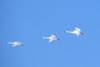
x=77 y=29
x=15 y=43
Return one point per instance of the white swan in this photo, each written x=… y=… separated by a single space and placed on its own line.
x=76 y=31
x=51 y=38
x=15 y=43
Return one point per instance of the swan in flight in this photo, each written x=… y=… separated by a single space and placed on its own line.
x=51 y=38
x=15 y=43
x=76 y=31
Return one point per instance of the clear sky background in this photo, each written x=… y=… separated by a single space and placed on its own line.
x=29 y=20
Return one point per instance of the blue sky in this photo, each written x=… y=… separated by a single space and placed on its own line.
x=29 y=20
